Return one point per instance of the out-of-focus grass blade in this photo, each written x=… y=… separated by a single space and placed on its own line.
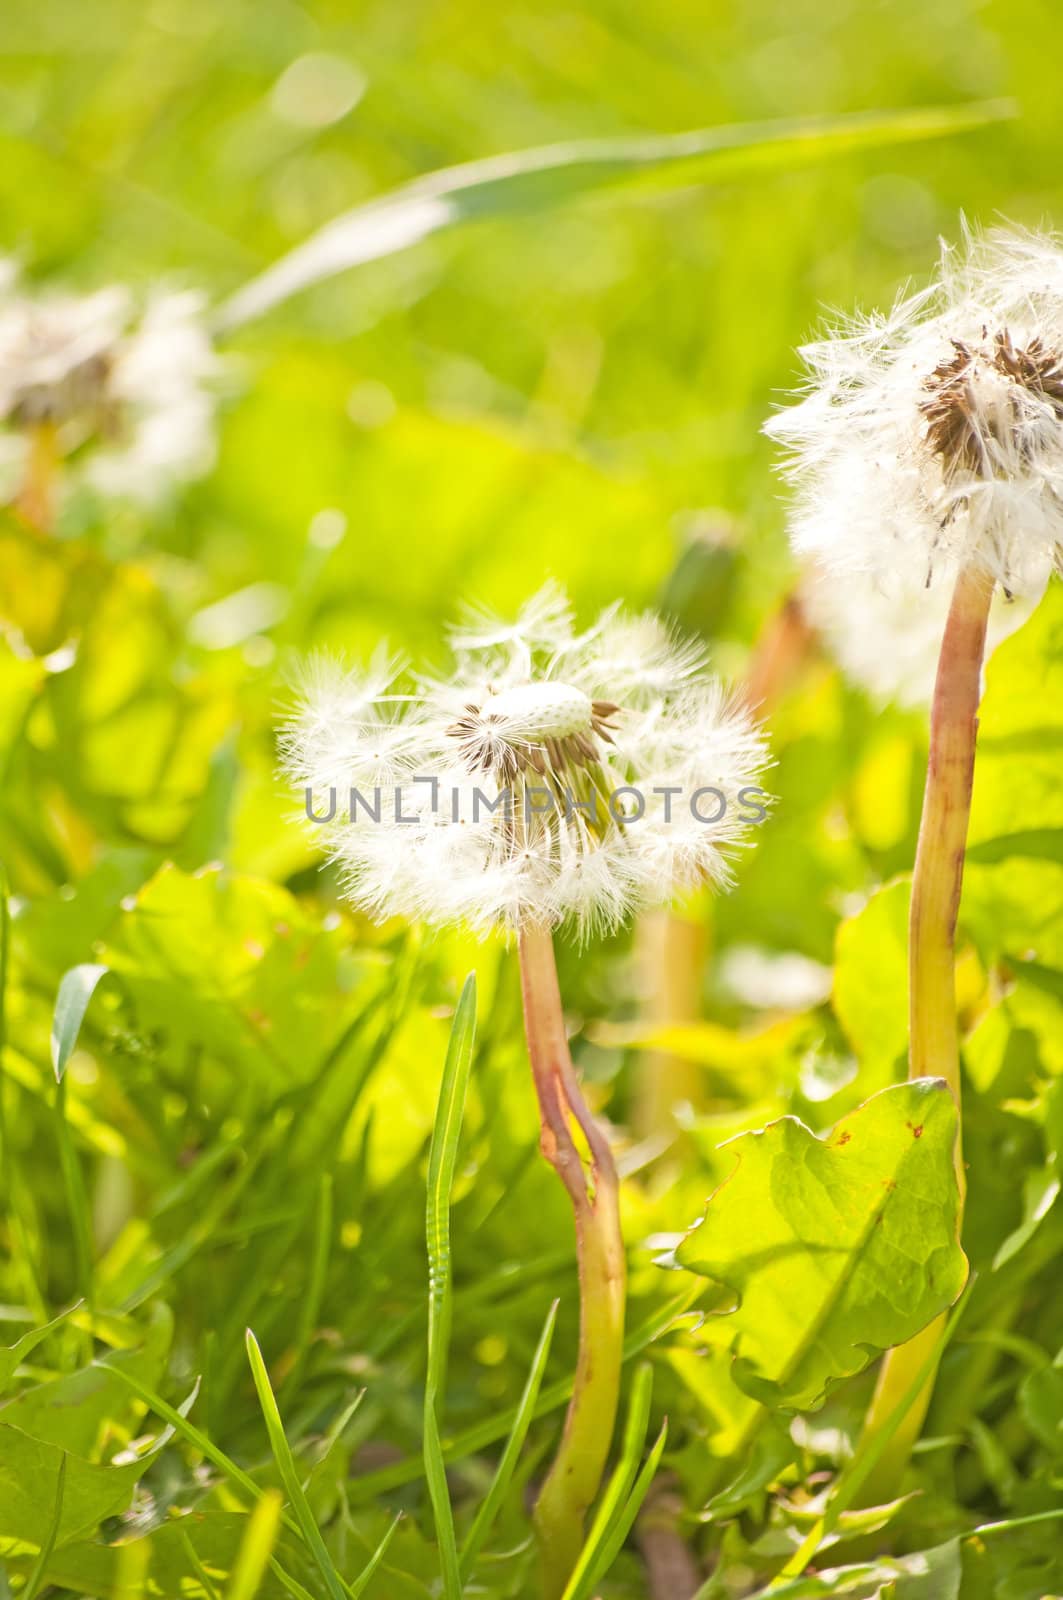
x=442 y=1160
x=76 y=989
x=492 y=1501
x=311 y=1302
x=289 y=1474
x=482 y=1434
x=256 y=1547
x=134 y=1559
x=620 y=1483
x=361 y=1583
x=36 y=1577
x=77 y=1205
x=616 y=1534
x=530 y=180
x=202 y=1575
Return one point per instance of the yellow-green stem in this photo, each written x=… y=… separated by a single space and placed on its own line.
x=934 y=1049
x=577 y=1470
x=36 y=500
x=673 y=951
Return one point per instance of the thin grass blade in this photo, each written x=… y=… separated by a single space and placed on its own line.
x=256 y=1548
x=496 y=1494
x=620 y=1483
x=361 y=1583
x=442 y=1162
x=282 y=1454
x=616 y=1536
x=76 y=989
x=533 y=180
x=44 y=1555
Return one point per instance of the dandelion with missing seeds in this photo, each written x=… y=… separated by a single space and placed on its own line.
x=98 y=393
x=549 y=740
x=928 y=458
x=552 y=776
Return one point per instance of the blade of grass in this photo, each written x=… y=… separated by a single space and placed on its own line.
x=76 y=989
x=622 y=1525
x=44 y=1555
x=361 y=1583
x=484 y=1434
x=77 y=1206
x=256 y=1547
x=198 y=1568
x=620 y=1483
x=134 y=1559
x=442 y=1161
x=282 y=1454
x=492 y=1502
x=532 y=180
x=315 y=1289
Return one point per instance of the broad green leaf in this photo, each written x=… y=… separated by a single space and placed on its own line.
x=835 y=1248
x=1013 y=882
x=75 y=991
x=871 y=983
x=36 y=1577
x=14 y=1355
x=29 y=1473
x=182 y=1550
x=532 y=180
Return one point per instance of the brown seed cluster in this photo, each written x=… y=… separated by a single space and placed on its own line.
x=487 y=747
x=960 y=427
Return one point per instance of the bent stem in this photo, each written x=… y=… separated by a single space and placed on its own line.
x=574 y=1478
x=934 y=1048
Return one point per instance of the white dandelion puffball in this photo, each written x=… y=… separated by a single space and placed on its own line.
x=931 y=438
x=552 y=776
x=885 y=634
x=125 y=391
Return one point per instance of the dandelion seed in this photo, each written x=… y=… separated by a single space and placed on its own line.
x=886 y=633
x=931 y=439
x=515 y=771
x=122 y=395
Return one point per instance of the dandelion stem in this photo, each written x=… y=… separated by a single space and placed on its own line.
x=36 y=500
x=594 y=1192
x=934 y=1049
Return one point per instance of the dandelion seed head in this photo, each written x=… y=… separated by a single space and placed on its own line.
x=931 y=437
x=127 y=391
x=516 y=770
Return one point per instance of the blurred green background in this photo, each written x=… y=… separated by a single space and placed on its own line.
x=567 y=393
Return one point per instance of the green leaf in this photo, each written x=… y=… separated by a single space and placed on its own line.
x=12 y=1357
x=836 y=1248
x=871 y=983
x=36 y=1577
x=282 y=1454
x=532 y=180
x=75 y=991
x=29 y=1470
x=442 y=1161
